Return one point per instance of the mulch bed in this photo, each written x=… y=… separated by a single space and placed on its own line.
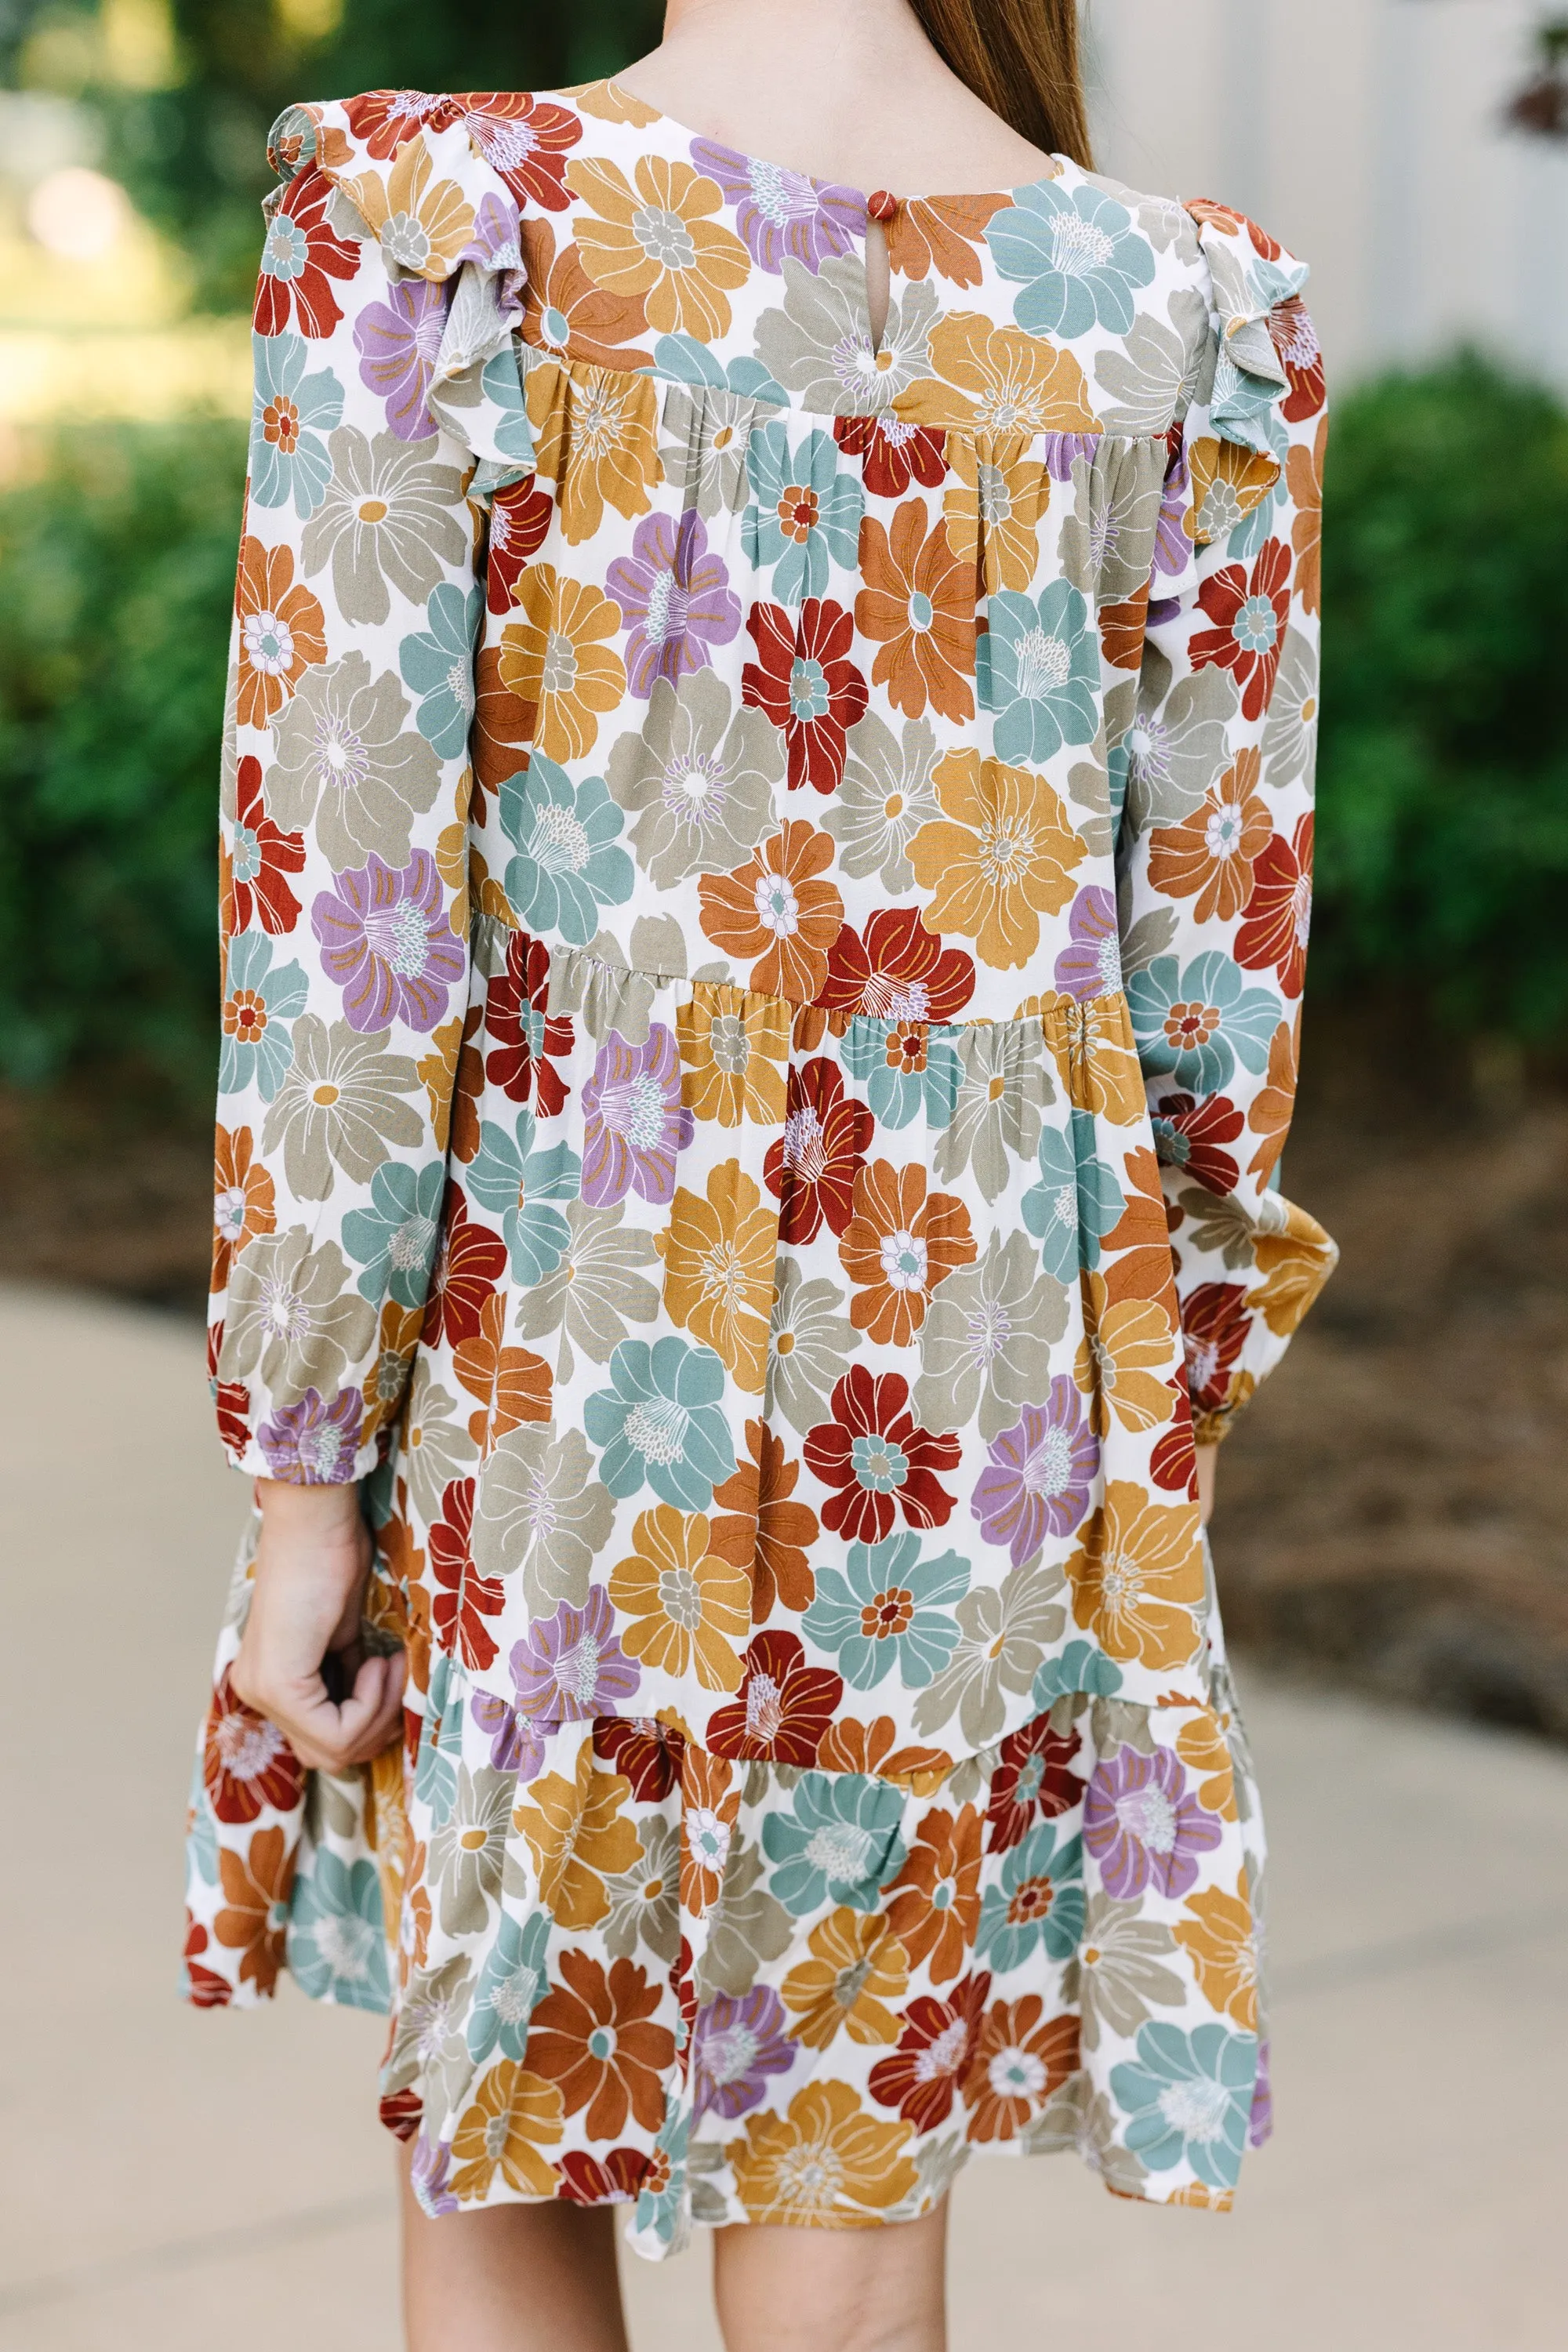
x=1393 y=1505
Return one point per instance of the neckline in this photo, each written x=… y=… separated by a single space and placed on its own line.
x=841 y=189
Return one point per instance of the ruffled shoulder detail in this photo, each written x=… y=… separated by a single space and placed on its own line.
x=1264 y=329
x=441 y=183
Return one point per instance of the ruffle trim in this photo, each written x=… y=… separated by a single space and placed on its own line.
x=1252 y=276
x=439 y=210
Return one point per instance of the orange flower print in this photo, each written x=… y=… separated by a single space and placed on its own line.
x=282 y=632
x=777 y=913
x=1020 y=2058
x=1270 y=1116
x=1001 y=855
x=918 y=608
x=941 y=236
x=933 y=1904
x=826 y=2164
x=256 y=1904
x=709 y=1809
x=1125 y=1359
x=1210 y=856
x=765 y=1530
x=857 y=1968
x=563 y=312
x=243 y=1200
x=900 y=1244
x=1138 y=1577
x=1304 y=476
x=1220 y=1940
x=594 y=2037
x=654 y=238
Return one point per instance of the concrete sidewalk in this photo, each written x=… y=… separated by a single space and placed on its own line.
x=178 y=2182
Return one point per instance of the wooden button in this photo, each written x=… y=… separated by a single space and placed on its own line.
x=882 y=205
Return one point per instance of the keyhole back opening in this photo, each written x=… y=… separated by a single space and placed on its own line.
x=879 y=281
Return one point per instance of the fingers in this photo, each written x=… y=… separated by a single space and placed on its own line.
x=328 y=1737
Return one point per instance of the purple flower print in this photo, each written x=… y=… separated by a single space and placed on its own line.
x=779 y=212
x=387 y=943
x=432 y=2162
x=1144 y=1825
x=1061 y=449
x=572 y=1667
x=313 y=1443
x=1172 y=548
x=495 y=241
x=1260 y=2125
x=675 y=598
x=634 y=1120
x=736 y=2044
x=1038 y=1481
x=398 y=341
x=515 y=1745
x=1091 y=965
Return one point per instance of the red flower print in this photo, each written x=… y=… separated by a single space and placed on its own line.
x=207 y=1989
x=810 y=1170
x=1225 y=216
x=1034 y=1780
x=253 y=888
x=893 y=453
x=300 y=257
x=783 y=1709
x=804 y=681
x=523 y=1034
x=878 y=1460
x=614 y=2180
x=643 y=1750
x=233 y=1400
x=898 y=971
x=519 y=523
x=471 y=1263
x=933 y=1906
x=402 y=2113
x=1249 y=615
x=1173 y=1466
x=246 y=1763
x=1215 y=1325
x=592 y=2037
x=382 y=121
x=1277 y=917
x=1188 y=1135
x=463 y=1599
x=935 y=2050
x=526 y=139
x=1017 y=2063
x=1295 y=338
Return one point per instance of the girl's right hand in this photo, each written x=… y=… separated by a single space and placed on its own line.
x=312 y=1564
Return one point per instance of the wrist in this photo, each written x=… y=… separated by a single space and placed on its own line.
x=323 y=1508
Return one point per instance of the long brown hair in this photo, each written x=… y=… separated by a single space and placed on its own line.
x=1021 y=57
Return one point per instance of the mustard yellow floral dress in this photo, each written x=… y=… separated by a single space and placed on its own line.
x=765 y=886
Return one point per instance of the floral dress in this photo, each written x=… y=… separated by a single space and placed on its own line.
x=765 y=877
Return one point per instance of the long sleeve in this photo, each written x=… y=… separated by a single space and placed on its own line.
x=346 y=958
x=1215 y=845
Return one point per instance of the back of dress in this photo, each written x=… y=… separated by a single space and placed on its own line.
x=766 y=887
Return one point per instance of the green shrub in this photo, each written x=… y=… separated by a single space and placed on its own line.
x=116 y=590
x=1443 y=776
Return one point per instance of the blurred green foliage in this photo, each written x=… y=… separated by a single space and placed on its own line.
x=116 y=594
x=1443 y=838
x=192 y=153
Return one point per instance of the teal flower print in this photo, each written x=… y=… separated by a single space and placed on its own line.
x=1189 y=2095
x=685 y=359
x=510 y=1985
x=838 y=1842
x=1038 y=667
x=509 y=430
x=1196 y=1025
x=1082 y=1667
x=569 y=862
x=888 y=1607
x=337 y=1943
x=258 y=1004
x=394 y=1239
x=437 y=665
x=201 y=1836
x=662 y=2212
x=909 y=1069
x=519 y=1184
x=1077 y=256
x=441 y=1746
x=1039 y=1902
x=805 y=513
x=289 y=458
x=660 y=1422
x=1076 y=1202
